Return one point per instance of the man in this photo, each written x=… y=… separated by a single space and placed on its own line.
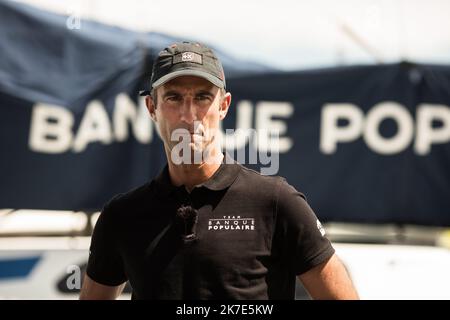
x=207 y=227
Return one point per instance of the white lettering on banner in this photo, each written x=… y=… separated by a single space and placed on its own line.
x=268 y=130
x=331 y=133
x=52 y=128
x=401 y=140
x=426 y=135
x=267 y=110
x=95 y=126
x=125 y=112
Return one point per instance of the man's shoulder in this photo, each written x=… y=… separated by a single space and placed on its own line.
x=252 y=178
x=257 y=182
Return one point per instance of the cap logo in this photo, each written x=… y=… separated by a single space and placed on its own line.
x=188 y=57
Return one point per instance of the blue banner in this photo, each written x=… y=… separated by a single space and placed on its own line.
x=364 y=143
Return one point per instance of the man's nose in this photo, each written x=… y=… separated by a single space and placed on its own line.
x=188 y=111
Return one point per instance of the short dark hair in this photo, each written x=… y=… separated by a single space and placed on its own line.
x=154 y=97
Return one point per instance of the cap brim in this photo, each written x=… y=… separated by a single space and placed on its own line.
x=189 y=72
x=144 y=93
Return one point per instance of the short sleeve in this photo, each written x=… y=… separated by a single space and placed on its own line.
x=105 y=264
x=300 y=231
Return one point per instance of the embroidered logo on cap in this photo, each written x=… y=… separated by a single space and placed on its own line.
x=187 y=57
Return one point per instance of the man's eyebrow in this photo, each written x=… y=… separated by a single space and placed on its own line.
x=206 y=92
x=170 y=93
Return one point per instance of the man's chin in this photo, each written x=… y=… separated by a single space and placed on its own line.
x=199 y=155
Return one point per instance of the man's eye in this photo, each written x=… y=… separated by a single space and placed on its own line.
x=202 y=97
x=173 y=98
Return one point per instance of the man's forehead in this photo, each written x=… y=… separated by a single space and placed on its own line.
x=187 y=82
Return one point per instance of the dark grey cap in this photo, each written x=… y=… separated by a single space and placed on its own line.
x=186 y=59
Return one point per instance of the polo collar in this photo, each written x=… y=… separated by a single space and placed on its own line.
x=220 y=180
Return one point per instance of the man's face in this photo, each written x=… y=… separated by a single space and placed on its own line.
x=190 y=103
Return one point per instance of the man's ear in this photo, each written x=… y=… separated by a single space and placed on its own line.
x=150 y=107
x=224 y=105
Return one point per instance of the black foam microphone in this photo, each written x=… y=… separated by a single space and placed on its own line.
x=188 y=218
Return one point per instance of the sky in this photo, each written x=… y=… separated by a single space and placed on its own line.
x=287 y=34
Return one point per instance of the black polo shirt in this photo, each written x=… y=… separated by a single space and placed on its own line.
x=252 y=236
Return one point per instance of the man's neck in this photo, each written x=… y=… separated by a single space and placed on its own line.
x=191 y=175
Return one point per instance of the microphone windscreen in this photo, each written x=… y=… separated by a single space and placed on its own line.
x=188 y=217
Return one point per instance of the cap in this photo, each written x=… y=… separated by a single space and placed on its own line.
x=186 y=59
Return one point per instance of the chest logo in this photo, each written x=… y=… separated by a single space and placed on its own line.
x=232 y=223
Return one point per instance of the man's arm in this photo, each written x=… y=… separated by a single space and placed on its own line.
x=329 y=280
x=93 y=290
